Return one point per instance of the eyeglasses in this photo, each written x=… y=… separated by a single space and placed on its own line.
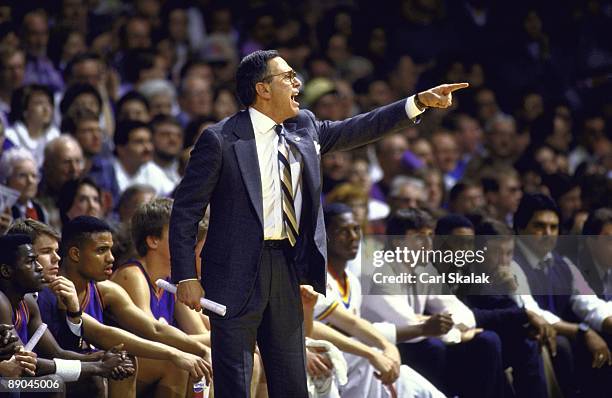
x=290 y=76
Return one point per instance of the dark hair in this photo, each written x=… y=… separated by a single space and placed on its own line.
x=448 y=223
x=136 y=61
x=408 y=219
x=596 y=221
x=77 y=59
x=74 y=91
x=9 y=245
x=132 y=96
x=70 y=122
x=164 y=119
x=77 y=230
x=68 y=194
x=559 y=184
x=489 y=228
x=530 y=204
x=150 y=220
x=251 y=70
x=190 y=64
x=460 y=187
x=132 y=191
x=193 y=129
x=124 y=128
x=21 y=98
x=33 y=229
x=332 y=210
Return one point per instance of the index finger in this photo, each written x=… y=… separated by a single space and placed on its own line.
x=456 y=86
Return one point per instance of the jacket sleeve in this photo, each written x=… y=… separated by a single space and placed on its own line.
x=190 y=201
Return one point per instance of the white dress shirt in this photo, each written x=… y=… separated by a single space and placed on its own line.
x=416 y=300
x=585 y=303
x=266 y=141
x=149 y=173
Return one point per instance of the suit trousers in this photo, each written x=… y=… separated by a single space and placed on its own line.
x=273 y=318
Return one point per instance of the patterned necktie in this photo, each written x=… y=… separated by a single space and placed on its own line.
x=289 y=218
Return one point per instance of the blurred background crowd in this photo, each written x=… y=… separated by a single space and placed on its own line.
x=115 y=94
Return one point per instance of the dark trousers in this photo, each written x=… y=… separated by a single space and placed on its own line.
x=470 y=370
x=273 y=318
x=574 y=372
x=523 y=355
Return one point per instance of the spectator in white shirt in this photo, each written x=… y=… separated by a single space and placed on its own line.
x=134 y=165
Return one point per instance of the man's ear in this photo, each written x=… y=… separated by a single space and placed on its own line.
x=152 y=242
x=74 y=254
x=263 y=90
x=5 y=271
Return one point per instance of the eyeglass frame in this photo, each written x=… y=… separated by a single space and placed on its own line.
x=291 y=75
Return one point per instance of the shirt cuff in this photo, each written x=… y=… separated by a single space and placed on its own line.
x=411 y=109
x=185 y=280
x=75 y=328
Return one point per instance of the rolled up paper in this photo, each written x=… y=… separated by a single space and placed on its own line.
x=210 y=305
x=35 y=337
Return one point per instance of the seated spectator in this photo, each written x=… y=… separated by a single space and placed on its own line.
x=18 y=171
x=406 y=193
x=80 y=197
x=12 y=69
x=466 y=197
x=167 y=145
x=595 y=257
x=79 y=96
x=446 y=154
x=502 y=191
x=31 y=117
x=39 y=68
x=84 y=126
x=134 y=148
x=63 y=162
x=161 y=96
x=559 y=287
x=133 y=106
x=195 y=99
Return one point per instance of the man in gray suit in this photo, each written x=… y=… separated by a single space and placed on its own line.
x=260 y=172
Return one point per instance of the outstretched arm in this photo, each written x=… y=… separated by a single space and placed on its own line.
x=369 y=127
x=136 y=321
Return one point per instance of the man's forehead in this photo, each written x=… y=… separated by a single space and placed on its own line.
x=547 y=216
x=277 y=65
x=101 y=238
x=25 y=249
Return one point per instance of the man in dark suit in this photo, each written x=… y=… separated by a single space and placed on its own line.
x=260 y=171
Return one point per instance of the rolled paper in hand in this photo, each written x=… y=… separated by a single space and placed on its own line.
x=210 y=305
x=35 y=337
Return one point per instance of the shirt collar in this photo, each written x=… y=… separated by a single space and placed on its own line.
x=261 y=123
x=531 y=257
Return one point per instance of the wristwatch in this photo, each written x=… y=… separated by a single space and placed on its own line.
x=422 y=107
x=582 y=329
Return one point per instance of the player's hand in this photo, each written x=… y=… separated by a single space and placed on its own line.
x=440 y=96
x=9 y=342
x=196 y=366
x=66 y=293
x=598 y=348
x=543 y=332
x=469 y=334
x=385 y=367
x=437 y=325
x=318 y=364
x=190 y=293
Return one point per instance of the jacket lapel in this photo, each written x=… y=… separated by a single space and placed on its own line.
x=246 y=154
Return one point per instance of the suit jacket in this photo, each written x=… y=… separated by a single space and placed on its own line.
x=223 y=170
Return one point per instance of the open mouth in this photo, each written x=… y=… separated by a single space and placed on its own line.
x=293 y=101
x=108 y=271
